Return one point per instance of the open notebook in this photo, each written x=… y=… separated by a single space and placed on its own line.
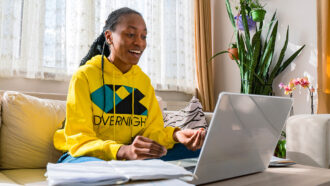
x=113 y=172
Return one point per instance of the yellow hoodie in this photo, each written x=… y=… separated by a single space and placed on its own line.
x=92 y=129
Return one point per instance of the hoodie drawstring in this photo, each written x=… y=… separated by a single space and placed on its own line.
x=114 y=104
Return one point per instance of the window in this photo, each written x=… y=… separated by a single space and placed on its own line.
x=51 y=37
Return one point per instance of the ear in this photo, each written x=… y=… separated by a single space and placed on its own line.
x=108 y=37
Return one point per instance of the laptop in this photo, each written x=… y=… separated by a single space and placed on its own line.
x=241 y=138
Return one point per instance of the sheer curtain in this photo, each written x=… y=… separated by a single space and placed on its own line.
x=47 y=39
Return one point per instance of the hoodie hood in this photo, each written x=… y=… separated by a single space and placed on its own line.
x=111 y=68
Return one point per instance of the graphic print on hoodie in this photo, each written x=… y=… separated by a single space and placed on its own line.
x=98 y=125
x=123 y=96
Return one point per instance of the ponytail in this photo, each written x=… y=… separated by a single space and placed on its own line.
x=96 y=49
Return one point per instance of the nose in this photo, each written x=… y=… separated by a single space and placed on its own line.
x=140 y=42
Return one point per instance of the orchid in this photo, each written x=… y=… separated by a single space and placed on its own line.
x=303 y=82
x=288 y=89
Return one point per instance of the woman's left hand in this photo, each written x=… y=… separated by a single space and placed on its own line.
x=192 y=139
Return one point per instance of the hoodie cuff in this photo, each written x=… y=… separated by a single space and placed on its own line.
x=114 y=150
x=171 y=139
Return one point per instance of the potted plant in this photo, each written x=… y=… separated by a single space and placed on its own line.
x=255 y=55
x=257 y=11
x=233 y=51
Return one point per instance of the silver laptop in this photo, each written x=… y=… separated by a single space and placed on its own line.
x=242 y=136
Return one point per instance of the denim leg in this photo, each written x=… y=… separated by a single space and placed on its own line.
x=67 y=158
x=179 y=151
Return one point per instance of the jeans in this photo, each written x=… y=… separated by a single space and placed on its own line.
x=179 y=151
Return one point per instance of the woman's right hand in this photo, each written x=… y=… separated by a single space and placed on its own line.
x=141 y=148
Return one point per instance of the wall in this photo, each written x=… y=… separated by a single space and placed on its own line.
x=175 y=100
x=300 y=15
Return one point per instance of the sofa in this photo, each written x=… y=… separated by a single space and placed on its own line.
x=308 y=139
x=28 y=122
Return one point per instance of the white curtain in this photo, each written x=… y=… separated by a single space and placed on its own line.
x=46 y=39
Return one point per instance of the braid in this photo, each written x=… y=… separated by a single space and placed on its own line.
x=96 y=49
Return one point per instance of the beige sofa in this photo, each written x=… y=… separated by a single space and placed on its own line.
x=308 y=139
x=28 y=123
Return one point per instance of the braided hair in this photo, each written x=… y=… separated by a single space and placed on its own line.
x=99 y=46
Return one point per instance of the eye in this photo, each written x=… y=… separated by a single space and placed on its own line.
x=144 y=37
x=130 y=35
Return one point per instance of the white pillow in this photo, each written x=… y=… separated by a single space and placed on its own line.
x=28 y=126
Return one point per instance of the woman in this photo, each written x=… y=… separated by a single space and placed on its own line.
x=112 y=111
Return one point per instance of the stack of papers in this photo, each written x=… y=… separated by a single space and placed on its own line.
x=280 y=162
x=112 y=172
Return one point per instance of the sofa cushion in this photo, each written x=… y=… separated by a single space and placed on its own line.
x=28 y=125
x=6 y=181
x=35 y=177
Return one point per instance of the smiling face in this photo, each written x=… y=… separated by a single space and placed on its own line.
x=127 y=41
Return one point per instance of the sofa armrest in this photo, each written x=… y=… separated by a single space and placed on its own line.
x=308 y=139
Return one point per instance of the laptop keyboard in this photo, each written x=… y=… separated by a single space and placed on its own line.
x=190 y=168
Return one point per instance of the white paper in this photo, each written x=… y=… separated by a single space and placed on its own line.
x=112 y=172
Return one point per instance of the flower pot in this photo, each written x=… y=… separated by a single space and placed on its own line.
x=233 y=52
x=258 y=15
x=250 y=22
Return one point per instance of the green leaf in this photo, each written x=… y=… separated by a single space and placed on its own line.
x=256 y=43
x=219 y=53
x=269 y=29
x=281 y=57
x=268 y=54
x=256 y=38
x=230 y=14
x=270 y=25
x=241 y=48
x=289 y=60
x=246 y=29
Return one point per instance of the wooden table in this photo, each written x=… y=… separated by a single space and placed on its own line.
x=299 y=175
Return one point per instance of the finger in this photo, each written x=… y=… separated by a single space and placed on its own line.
x=196 y=143
x=149 y=144
x=191 y=140
x=145 y=139
x=203 y=138
x=148 y=152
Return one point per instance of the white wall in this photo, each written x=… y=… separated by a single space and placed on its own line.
x=32 y=85
x=300 y=15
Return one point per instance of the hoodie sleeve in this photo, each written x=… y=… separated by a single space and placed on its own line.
x=155 y=125
x=80 y=137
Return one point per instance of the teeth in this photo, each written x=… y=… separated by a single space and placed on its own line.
x=135 y=51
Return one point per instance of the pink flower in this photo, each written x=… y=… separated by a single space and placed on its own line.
x=281 y=85
x=291 y=85
x=287 y=89
x=304 y=82
x=295 y=81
